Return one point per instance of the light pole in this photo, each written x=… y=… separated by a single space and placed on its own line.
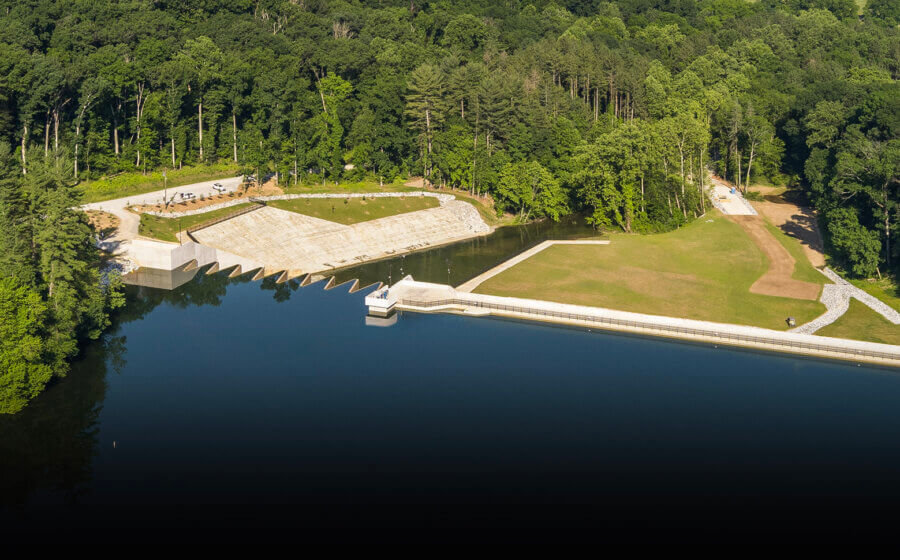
x=165 y=189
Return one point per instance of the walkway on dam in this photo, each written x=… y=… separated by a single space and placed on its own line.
x=410 y=295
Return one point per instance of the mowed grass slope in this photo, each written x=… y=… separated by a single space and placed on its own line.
x=166 y=229
x=354 y=210
x=702 y=271
x=861 y=323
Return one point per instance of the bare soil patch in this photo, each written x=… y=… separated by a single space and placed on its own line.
x=103 y=223
x=793 y=219
x=777 y=280
x=415 y=182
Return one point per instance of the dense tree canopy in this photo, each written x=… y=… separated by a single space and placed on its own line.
x=52 y=292
x=615 y=108
x=645 y=93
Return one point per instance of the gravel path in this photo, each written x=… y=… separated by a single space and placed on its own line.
x=836 y=298
x=729 y=203
x=119 y=244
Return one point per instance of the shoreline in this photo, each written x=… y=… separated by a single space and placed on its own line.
x=422 y=297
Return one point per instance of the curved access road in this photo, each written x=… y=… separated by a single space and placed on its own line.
x=129 y=222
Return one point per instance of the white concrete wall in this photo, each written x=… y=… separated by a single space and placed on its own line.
x=169 y=256
x=410 y=293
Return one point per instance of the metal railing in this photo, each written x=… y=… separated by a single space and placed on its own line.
x=670 y=329
x=254 y=205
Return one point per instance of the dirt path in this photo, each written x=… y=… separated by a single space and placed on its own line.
x=777 y=281
x=793 y=219
x=417 y=182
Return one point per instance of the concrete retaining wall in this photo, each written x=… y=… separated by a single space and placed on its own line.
x=169 y=256
x=430 y=298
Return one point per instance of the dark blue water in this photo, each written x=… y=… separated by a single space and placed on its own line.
x=247 y=410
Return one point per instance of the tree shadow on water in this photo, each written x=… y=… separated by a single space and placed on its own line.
x=49 y=446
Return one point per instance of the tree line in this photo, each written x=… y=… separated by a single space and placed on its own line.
x=615 y=109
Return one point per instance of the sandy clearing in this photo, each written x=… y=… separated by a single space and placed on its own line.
x=776 y=281
x=794 y=220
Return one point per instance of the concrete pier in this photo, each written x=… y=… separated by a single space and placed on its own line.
x=424 y=297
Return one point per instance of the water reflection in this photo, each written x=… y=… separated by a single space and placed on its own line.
x=159 y=278
x=270 y=410
x=50 y=445
x=451 y=264
x=456 y=263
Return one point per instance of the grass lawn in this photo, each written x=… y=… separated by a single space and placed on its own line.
x=702 y=271
x=346 y=187
x=885 y=289
x=354 y=210
x=130 y=184
x=487 y=213
x=166 y=229
x=861 y=323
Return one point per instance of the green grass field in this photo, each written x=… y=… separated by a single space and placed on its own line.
x=487 y=213
x=166 y=229
x=861 y=323
x=702 y=271
x=885 y=289
x=346 y=187
x=130 y=184
x=354 y=210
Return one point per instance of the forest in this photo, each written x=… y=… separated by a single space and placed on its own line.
x=614 y=109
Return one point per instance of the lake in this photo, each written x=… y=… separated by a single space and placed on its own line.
x=247 y=410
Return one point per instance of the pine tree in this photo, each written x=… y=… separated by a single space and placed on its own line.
x=425 y=109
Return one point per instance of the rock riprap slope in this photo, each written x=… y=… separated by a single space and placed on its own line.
x=284 y=240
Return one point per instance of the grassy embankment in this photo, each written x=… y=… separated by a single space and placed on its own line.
x=483 y=205
x=131 y=184
x=701 y=271
x=861 y=323
x=166 y=229
x=354 y=210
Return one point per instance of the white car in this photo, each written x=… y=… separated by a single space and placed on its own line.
x=187 y=196
x=218 y=187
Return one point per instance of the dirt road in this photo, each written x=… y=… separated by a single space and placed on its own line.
x=777 y=281
x=793 y=219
